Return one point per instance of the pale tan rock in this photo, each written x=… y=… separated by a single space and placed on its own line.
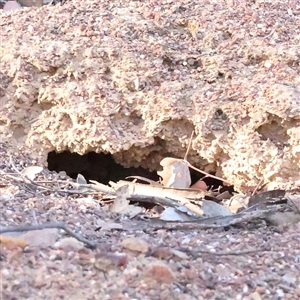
x=159 y=272
x=261 y=290
x=136 y=244
x=41 y=238
x=122 y=83
x=69 y=243
x=255 y=296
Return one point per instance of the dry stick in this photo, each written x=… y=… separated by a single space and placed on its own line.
x=155 y=199
x=194 y=252
x=161 y=191
x=256 y=188
x=207 y=174
x=286 y=288
x=46 y=188
x=168 y=202
x=21 y=228
x=26 y=179
x=145 y=193
x=192 y=167
x=189 y=146
x=155 y=183
x=213 y=222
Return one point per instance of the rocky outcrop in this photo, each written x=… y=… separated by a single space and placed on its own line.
x=134 y=79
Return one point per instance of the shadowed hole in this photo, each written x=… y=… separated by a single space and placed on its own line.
x=94 y=166
x=103 y=168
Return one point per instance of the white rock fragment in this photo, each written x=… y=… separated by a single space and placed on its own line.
x=11 y=5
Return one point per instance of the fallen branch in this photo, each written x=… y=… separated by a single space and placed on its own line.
x=197 y=251
x=141 y=193
x=161 y=191
x=22 y=228
x=214 y=222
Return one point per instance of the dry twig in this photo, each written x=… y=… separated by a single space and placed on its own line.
x=197 y=251
x=63 y=226
x=215 y=222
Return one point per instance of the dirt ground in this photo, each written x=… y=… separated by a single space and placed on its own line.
x=133 y=258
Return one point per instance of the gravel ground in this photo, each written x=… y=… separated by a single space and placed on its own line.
x=132 y=260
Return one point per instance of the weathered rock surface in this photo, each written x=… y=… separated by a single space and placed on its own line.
x=134 y=79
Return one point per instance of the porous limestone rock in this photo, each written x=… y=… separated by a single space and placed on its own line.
x=135 y=78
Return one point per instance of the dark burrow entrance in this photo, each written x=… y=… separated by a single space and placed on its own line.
x=103 y=168
x=94 y=166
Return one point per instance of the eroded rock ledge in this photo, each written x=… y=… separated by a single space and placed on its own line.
x=135 y=78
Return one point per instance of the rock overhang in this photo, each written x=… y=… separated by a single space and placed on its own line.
x=113 y=80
